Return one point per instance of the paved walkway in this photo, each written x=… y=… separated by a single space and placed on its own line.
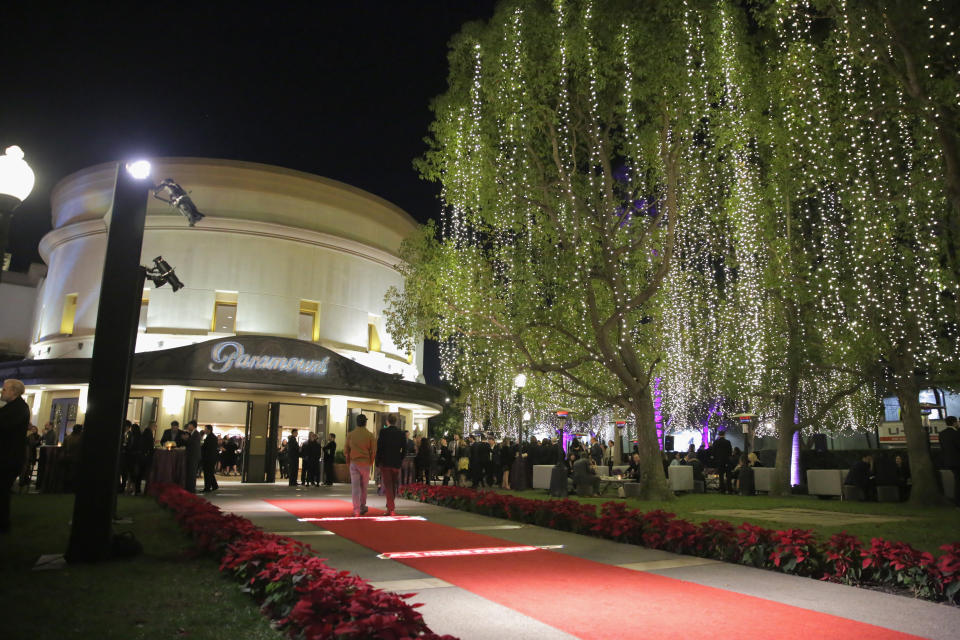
x=449 y=609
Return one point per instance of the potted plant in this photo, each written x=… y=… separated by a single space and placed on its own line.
x=341 y=473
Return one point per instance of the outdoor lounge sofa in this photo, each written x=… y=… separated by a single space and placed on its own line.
x=825 y=482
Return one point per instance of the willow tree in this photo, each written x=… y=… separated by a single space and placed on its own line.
x=563 y=147
x=753 y=313
x=892 y=190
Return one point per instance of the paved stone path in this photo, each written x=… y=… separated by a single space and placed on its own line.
x=448 y=609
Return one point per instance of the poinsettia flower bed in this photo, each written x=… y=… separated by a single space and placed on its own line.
x=301 y=594
x=843 y=558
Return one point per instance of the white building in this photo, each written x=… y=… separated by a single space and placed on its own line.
x=284 y=264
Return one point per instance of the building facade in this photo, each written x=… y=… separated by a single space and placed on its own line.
x=284 y=265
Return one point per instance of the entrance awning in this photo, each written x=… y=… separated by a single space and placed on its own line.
x=249 y=362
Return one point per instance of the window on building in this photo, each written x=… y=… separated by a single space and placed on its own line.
x=142 y=323
x=225 y=317
x=309 y=324
x=69 y=314
x=373 y=338
x=224 y=312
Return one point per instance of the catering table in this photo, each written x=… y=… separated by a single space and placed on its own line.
x=612 y=481
x=168 y=466
x=50 y=461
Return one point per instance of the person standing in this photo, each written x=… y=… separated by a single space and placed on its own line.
x=209 y=454
x=408 y=470
x=507 y=455
x=446 y=461
x=282 y=459
x=14 y=420
x=422 y=461
x=145 y=451
x=329 y=457
x=311 y=460
x=360 y=451
x=193 y=443
x=721 y=452
x=33 y=444
x=173 y=434
x=293 y=457
x=596 y=451
x=950 y=449
x=391 y=448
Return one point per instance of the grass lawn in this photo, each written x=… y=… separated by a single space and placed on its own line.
x=163 y=593
x=925 y=528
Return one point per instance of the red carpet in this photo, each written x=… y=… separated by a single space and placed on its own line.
x=581 y=597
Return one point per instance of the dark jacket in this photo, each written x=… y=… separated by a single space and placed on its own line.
x=210 y=449
x=329 y=451
x=950 y=447
x=721 y=452
x=311 y=451
x=179 y=439
x=293 y=450
x=14 y=420
x=194 y=442
x=391 y=447
x=859 y=475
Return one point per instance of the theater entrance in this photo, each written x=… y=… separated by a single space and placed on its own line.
x=231 y=421
x=282 y=419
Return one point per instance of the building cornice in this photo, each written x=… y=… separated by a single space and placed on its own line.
x=88 y=228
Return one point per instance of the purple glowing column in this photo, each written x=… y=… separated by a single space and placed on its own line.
x=795 y=453
x=795 y=460
x=657 y=416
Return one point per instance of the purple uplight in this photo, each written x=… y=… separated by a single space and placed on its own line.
x=657 y=416
x=714 y=410
x=795 y=453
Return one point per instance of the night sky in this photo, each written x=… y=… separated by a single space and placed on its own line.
x=338 y=92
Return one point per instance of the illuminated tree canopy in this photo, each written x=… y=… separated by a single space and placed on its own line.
x=752 y=200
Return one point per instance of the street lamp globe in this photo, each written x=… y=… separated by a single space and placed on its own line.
x=16 y=178
x=526 y=416
x=139 y=169
x=520 y=381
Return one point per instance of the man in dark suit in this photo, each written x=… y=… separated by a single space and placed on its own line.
x=329 y=457
x=721 y=452
x=596 y=451
x=861 y=476
x=293 y=457
x=174 y=434
x=950 y=450
x=585 y=480
x=209 y=453
x=194 y=442
x=14 y=420
x=391 y=449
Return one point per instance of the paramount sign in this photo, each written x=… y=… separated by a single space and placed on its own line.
x=228 y=355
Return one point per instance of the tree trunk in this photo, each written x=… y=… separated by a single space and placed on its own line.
x=786 y=426
x=925 y=490
x=653 y=481
x=785 y=430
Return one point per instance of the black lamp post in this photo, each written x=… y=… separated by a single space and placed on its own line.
x=518 y=474
x=16 y=183
x=121 y=291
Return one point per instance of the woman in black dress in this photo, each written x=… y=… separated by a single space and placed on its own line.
x=228 y=460
x=422 y=461
x=507 y=455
